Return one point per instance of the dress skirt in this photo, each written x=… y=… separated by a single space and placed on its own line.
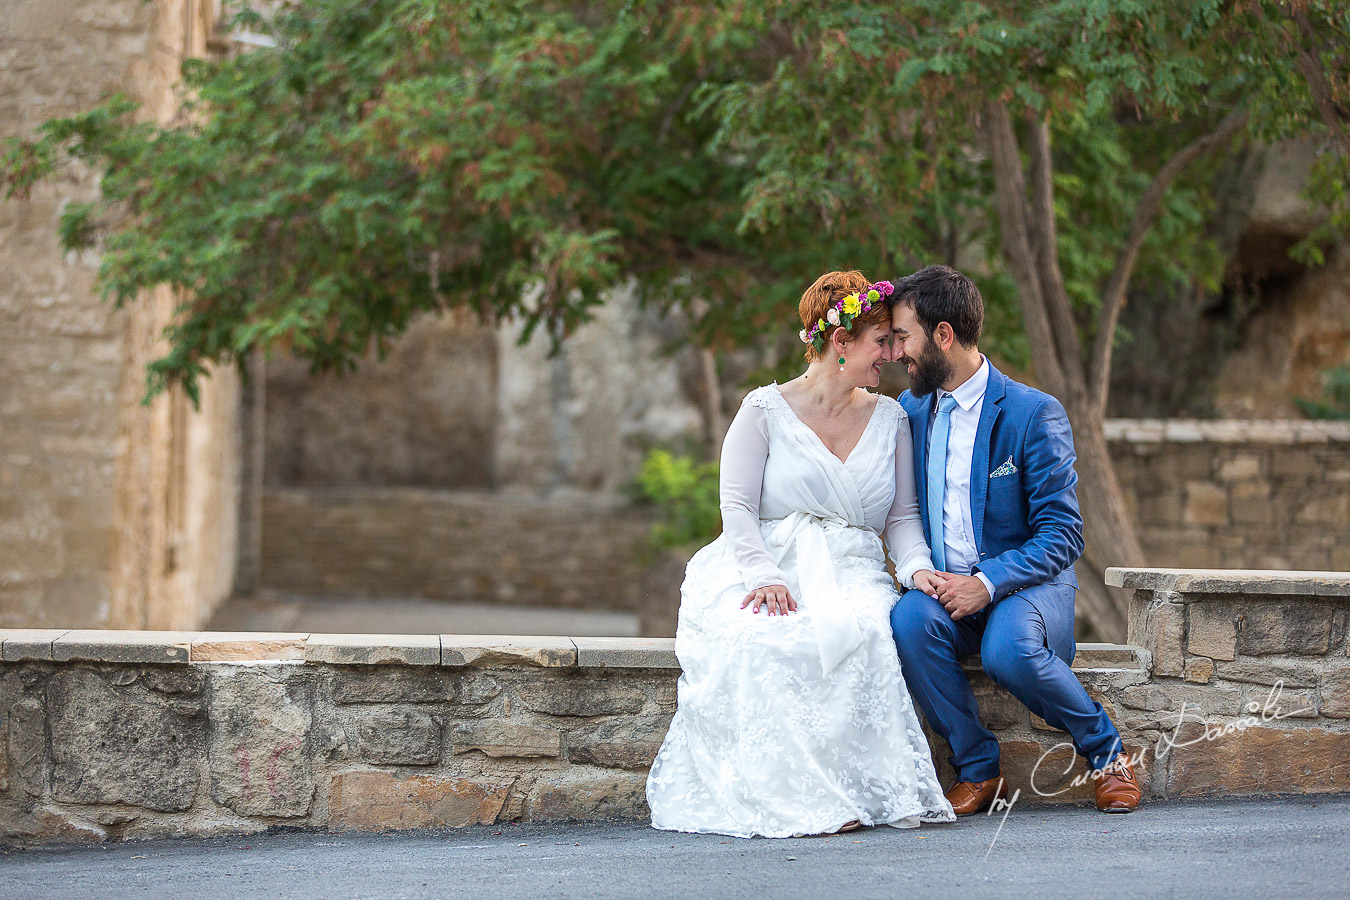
x=765 y=741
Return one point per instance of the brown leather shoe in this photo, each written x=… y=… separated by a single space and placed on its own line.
x=970 y=797
x=1117 y=788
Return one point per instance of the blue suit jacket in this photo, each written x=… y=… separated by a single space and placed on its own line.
x=1023 y=498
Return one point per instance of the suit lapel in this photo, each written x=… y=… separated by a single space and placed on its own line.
x=979 y=464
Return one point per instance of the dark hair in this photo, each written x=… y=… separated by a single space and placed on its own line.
x=942 y=294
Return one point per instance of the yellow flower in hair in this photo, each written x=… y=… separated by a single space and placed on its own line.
x=852 y=305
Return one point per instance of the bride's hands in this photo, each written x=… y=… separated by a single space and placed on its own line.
x=925 y=580
x=774 y=596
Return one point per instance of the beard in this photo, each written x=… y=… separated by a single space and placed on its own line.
x=932 y=369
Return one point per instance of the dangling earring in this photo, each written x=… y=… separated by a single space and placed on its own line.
x=841 y=364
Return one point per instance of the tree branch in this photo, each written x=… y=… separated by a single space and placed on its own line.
x=1113 y=297
x=1312 y=72
x=1010 y=203
x=1046 y=247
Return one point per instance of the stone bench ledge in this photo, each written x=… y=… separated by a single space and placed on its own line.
x=544 y=651
x=1232 y=581
x=96 y=645
x=247 y=646
x=18 y=644
x=450 y=650
x=374 y=649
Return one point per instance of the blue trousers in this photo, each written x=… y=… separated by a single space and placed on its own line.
x=1025 y=642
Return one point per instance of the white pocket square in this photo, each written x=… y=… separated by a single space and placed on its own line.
x=1006 y=469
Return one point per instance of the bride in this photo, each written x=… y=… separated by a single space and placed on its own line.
x=793 y=718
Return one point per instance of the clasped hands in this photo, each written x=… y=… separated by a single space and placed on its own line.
x=960 y=595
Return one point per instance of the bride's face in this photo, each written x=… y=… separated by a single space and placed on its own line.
x=866 y=354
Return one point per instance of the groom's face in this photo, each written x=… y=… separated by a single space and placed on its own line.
x=927 y=365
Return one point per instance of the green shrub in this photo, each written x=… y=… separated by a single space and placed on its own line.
x=1335 y=401
x=686 y=494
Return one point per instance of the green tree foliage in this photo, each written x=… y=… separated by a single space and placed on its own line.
x=394 y=156
x=1073 y=139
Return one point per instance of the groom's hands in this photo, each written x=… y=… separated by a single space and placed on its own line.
x=961 y=595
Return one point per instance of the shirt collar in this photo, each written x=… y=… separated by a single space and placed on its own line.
x=971 y=391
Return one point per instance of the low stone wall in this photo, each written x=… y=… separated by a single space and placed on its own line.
x=1239 y=684
x=1243 y=494
x=472 y=547
x=1260 y=661
x=114 y=735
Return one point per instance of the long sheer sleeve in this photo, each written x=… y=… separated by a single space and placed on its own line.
x=904 y=528
x=744 y=453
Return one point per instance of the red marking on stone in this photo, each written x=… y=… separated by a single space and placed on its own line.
x=241 y=757
x=274 y=763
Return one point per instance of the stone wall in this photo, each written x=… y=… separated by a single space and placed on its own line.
x=1243 y=494
x=1235 y=683
x=569 y=551
x=456 y=405
x=1260 y=660
x=111 y=513
x=142 y=734
x=422 y=417
x=1262 y=495
x=60 y=347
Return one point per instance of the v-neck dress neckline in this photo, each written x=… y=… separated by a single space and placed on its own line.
x=824 y=446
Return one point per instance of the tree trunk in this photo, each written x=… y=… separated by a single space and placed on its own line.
x=1030 y=248
x=1108 y=528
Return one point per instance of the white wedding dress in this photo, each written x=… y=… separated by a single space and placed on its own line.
x=799 y=724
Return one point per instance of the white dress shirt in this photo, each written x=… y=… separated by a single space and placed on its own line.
x=958 y=526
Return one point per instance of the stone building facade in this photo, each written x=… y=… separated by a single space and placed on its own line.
x=112 y=513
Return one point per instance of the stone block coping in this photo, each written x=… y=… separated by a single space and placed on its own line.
x=123 y=646
x=247 y=646
x=28 y=643
x=1232 y=581
x=548 y=652
x=374 y=649
x=1225 y=431
x=451 y=650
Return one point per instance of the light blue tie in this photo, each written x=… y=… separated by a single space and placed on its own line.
x=937 y=479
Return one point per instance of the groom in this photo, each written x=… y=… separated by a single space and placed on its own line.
x=993 y=462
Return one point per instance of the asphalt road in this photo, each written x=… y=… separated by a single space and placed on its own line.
x=1293 y=847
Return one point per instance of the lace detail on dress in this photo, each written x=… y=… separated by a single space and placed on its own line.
x=767 y=397
x=890 y=408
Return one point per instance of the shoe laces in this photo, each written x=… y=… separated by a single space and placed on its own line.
x=1120 y=768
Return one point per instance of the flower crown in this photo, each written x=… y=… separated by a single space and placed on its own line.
x=844 y=312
